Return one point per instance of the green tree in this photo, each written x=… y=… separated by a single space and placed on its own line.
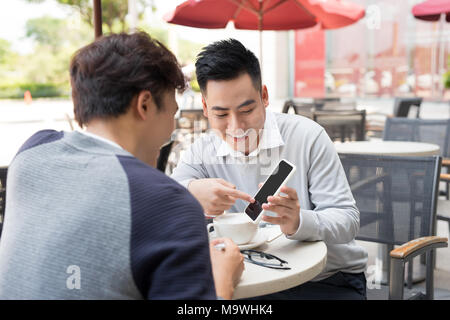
x=8 y=61
x=113 y=12
x=4 y=50
x=55 y=41
x=47 y=31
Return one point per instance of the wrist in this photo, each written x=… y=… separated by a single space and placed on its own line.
x=189 y=184
x=225 y=290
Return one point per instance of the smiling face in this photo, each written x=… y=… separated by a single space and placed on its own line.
x=236 y=109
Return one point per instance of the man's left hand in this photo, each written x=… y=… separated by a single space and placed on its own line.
x=287 y=208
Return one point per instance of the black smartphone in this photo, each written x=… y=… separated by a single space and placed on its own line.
x=271 y=186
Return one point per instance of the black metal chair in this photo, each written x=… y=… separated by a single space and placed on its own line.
x=163 y=157
x=343 y=125
x=300 y=108
x=341 y=122
x=403 y=105
x=3 y=173
x=424 y=130
x=396 y=197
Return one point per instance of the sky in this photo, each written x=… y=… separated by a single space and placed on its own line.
x=15 y=13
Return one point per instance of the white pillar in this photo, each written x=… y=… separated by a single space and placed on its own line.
x=277 y=67
x=132 y=15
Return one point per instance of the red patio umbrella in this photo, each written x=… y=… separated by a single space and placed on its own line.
x=434 y=10
x=431 y=10
x=265 y=14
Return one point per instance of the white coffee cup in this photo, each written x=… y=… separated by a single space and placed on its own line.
x=237 y=226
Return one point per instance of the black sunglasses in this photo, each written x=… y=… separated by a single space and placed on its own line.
x=264 y=259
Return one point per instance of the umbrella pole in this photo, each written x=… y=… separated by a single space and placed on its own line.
x=441 y=62
x=260 y=28
x=260 y=50
x=97 y=18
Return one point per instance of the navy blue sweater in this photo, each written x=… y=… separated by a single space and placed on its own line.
x=87 y=220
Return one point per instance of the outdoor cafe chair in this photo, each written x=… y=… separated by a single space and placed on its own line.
x=402 y=106
x=190 y=123
x=163 y=157
x=343 y=125
x=342 y=122
x=424 y=130
x=396 y=197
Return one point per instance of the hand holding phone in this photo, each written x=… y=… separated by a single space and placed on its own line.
x=279 y=177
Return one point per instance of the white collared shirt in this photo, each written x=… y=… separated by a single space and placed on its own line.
x=328 y=211
x=270 y=138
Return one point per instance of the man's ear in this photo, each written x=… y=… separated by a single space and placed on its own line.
x=265 y=96
x=205 y=108
x=144 y=104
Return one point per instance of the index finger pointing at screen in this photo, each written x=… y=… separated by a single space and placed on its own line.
x=238 y=194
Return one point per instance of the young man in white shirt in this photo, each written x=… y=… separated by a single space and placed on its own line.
x=224 y=168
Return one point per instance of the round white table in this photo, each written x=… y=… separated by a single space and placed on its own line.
x=306 y=260
x=388 y=148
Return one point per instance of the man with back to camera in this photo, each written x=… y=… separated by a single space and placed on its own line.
x=224 y=168
x=87 y=217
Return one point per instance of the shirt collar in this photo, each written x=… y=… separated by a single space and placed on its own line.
x=92 y=135
x=270 y=138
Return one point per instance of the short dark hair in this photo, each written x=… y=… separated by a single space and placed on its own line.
x=226 y=60
x=108 y=73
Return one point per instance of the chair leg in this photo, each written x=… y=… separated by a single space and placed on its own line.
x=409 y=279
x=430 y=275
x=389 y=248
x=448 y=227
x=447 y=192
x=397 y=279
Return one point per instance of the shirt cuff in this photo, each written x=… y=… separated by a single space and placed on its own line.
x=185 y=183
x=308 y=227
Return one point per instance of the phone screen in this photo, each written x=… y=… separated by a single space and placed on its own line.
x=268 y=189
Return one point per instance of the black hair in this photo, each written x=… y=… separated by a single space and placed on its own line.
x=108 y=73
x=226 y=60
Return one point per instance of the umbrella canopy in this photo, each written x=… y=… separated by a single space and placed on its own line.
x=431 y=10
x=434 y=10
x=265 y=14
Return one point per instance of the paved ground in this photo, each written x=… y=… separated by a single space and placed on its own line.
x=18 y=121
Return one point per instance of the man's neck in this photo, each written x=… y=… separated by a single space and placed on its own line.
x=121 y=134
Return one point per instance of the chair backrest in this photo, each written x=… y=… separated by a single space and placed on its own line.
x=325 y=104
x=419 y=130
x=343 y=125
x=396 y=196
x=3 y=173
x=163 y=157
x=403 y=105
x=301 y=108
x=193 y=119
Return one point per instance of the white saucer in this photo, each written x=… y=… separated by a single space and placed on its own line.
x=259 y=239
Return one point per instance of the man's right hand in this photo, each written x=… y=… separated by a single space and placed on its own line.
x=227 y=266
x=216 y=195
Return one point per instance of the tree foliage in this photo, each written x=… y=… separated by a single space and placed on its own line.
x=113 y=12
x=44 y=71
